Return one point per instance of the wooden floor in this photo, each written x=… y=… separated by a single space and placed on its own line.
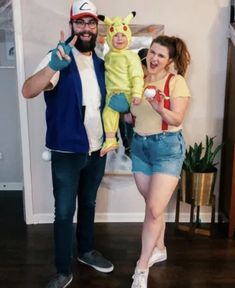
x=26 y=255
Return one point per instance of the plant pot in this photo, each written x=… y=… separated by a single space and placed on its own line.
x=198 y=187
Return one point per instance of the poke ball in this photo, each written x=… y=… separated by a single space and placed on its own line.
x=150 y=92
x=46 y=155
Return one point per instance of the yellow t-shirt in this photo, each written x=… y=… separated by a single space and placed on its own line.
x=147 y=120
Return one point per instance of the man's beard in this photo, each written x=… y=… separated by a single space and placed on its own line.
x=85 y=46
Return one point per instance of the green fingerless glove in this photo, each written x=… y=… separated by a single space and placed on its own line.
x=56 y=63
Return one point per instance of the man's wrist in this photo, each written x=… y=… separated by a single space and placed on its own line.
x=52 y=66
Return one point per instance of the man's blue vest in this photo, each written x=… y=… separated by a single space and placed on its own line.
x=64 y=110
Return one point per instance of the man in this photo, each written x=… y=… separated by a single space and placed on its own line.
x=72 y=78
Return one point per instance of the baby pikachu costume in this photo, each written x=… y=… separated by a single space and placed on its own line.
x=123 y=78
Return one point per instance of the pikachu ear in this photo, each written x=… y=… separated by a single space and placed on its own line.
x=129 y=17
x=101 y=17
x=105 y=19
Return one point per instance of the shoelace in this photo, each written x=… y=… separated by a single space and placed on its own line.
x=139 y=280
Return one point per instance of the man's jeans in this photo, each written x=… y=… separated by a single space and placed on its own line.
x=74 y=174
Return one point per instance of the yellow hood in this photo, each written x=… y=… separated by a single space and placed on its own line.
x=117 y=25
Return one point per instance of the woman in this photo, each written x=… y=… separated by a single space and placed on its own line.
x=158 y=147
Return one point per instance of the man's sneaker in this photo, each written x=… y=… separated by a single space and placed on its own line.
x=96 y=260
x=157 y=256
x=60 y=281
x=140 y=278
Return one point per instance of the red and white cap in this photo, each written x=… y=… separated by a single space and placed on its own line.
x=83 y=8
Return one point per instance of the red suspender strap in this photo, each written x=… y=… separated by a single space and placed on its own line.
x=167 y=99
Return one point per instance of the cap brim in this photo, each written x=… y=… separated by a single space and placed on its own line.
x=85 y=14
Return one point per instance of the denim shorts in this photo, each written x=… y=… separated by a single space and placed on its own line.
x=158 y=153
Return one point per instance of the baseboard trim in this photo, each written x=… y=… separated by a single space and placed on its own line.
x=11 y=186
x=119 y=217
x=45 y=218
x=48 y=218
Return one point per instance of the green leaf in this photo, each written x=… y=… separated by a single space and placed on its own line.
x=197 y=161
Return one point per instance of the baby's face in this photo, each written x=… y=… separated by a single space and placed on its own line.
x=119 y=41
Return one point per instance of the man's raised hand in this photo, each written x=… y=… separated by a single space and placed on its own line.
x=60 y=55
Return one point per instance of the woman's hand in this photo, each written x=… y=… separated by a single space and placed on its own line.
x=157 y=102
x=175 y=115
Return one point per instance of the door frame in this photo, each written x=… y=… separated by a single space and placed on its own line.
x=27 y=177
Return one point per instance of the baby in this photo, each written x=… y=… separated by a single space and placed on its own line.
x=124 y=77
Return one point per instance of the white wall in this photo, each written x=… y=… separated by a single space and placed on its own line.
x=202 y=24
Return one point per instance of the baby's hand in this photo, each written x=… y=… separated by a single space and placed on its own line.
x=136 y=100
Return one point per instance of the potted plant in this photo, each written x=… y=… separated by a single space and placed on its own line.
x=199 y=173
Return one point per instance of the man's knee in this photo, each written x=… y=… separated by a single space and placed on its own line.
x=64 y=212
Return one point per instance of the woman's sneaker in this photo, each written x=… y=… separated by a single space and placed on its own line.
x=157 y=256
x=140 y=278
